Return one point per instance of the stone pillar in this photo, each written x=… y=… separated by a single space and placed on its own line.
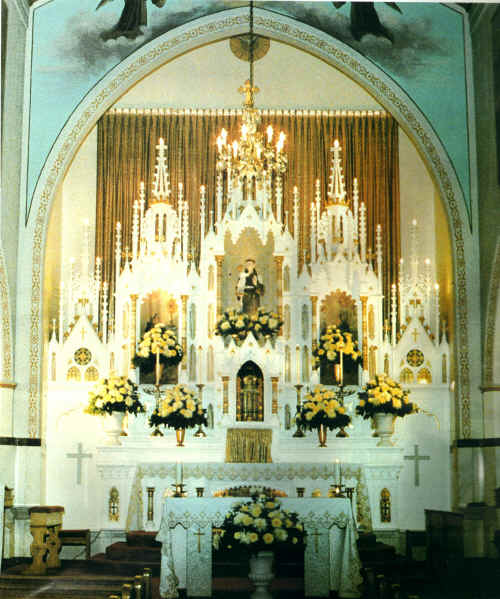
x=225 y=394
x=274 y=386
x=6 y=399
x=219 y=260
x=279 y=284
x=364 y=330
x=132 y=326
x=184 y=299
x=314 y=319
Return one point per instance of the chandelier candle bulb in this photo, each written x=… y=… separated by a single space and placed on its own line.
x=297 y=361
x=269 y=132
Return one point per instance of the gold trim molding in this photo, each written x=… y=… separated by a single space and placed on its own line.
x=304 y=38
x=6 y=329
x=4 y=385
x=491 y=318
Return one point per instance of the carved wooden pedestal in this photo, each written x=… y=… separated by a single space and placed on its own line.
x=45 y=523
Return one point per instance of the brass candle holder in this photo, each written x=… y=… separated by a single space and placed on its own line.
x=299 y=433
x=200 y=433
x=179 y=490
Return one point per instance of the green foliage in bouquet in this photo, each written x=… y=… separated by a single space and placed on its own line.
x=237 y=324
x=333 y=340
x=260 y=524
x=383 y=395
x=158 y=338
x=114 y=394
x=321 y=407
x=179 y=408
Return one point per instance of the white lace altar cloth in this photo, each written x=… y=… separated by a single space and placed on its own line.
x=331 y=560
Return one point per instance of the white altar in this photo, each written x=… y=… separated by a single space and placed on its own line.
x=331 y=560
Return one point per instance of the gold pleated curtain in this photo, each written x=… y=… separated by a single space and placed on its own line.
x=126 y=155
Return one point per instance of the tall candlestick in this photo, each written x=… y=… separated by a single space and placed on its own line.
x=219 y=197
x=296 y=212
x=157 y=367
x=355 y=194
x=202 y=212
x=297 y=360
x=393 y=314
x=362 y=231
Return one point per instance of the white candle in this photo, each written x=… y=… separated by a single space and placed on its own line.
x=178 y=473
x=337 y=471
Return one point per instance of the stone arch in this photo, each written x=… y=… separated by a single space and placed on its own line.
x=195 y=34
x=492 y=322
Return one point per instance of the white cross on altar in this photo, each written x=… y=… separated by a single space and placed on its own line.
x=416 y=457
x=79 y=457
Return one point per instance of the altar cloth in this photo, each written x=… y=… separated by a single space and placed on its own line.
x=331 y=560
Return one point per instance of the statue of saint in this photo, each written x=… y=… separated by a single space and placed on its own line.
x=249 y=288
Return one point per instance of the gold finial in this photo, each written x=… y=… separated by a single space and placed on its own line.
x=249 y=92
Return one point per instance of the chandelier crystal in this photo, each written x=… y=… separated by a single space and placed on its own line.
x=254 y=156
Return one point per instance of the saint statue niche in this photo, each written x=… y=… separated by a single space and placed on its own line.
x=249 y=288
x=249 y=394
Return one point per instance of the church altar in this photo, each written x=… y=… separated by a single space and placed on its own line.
x=331 y=560
x=250 y=252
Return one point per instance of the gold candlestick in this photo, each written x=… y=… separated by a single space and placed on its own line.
x=299 y=433
x=200 y=433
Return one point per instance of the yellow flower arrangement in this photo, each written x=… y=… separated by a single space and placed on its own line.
x=178 y=408
x=158 y=340
x=333 y=341
x=238 y=324
x=384 y=395
x=321 y=407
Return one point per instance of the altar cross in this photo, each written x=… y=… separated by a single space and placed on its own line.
x=415 y=335
x=416 y=457
x=199 y=534
x=79 y=457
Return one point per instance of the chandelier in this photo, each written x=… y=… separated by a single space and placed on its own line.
x=254 y=156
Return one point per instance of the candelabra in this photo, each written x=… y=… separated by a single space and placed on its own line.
x=155 y=390
x=254 y=157
x=299 y=433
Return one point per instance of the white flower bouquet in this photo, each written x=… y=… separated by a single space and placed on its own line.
x=259 y=525
x=114 y=394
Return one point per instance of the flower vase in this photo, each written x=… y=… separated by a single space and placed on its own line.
x=322 y=431
x=180 y=433
x=113 y=426
x=384 y=427
x=261 y=574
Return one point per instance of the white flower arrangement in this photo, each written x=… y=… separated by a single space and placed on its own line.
x=114 y=394
x=259 y=524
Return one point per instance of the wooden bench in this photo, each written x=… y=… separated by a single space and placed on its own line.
x=77 y=537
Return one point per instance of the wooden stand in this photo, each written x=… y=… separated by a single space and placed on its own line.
x=45 y=523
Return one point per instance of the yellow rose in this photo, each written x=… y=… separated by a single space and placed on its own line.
x=256 y=511
x=268 y=538
x=276 y=522
x=254 y=537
